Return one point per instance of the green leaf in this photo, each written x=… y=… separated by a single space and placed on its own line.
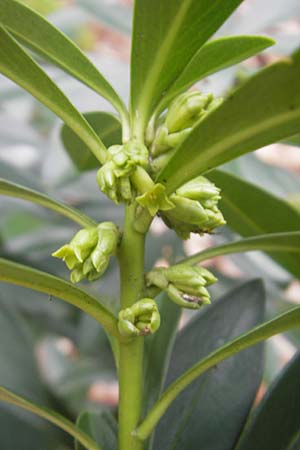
x=51 y=416
x=102 y=427
x=17 y=65
x=17 y=351
x=37 y=280
x=193 y=418
x=214 y=56
x=158 y=349
x=263 y=110
x=106 y=126
x=251 y=211
x=33 y=30
x=279 y=242
x=275 y=422
x=17 y=191
x=279 y=324
x=166 y=36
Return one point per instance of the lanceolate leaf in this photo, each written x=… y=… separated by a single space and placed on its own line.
x=264 y=110
x=17 y=191
x=37 y=280
x=107 y=127
x=40 y=35
x=214 y=56
x=276 y=421
x=251 y=211
x=280 y=324
x=17 y=65
x=166 y=36
x=279 y=242
x=195 y=416
x=51 y=416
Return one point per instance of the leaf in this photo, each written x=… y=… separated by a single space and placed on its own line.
x=21 y=192
x=276 y=420
x=279 y=324
x=166 y=36
x=37 y=280
x=38 y=34
x=265 y=109
x=102 y=427
x=158 y=351
x=214 y=56
x=17 y=65
x=279 y=242
x=106 y=126
x=251 y=211
x=203 y=414
x=51 y=416
x=293 y=140
x=16 y=351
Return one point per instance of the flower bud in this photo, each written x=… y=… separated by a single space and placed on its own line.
x=186 y=110
x=196 y=208
x=113 y=177
x=141 y=319
x=184 y=284
x=183 y=114
x=88 y=253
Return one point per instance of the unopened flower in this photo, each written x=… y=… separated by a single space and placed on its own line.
x=89 y=252
x=196 y=208
x=141 y=319
x=184 y=284
x=113 y=177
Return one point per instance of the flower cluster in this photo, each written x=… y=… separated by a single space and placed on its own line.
x=141 y=319
x=185 y=111
x=87 y=255
x=185 y=285
x=196 y=208
x=113 y=177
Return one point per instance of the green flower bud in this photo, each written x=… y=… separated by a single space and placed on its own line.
x=113 y=177
x=184 y=284
x=196 y=208
x=88 y=253
x=186 y=110
x=155 y=199
x=141 y=319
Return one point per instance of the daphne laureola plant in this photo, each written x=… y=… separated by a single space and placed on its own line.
x=173 y=138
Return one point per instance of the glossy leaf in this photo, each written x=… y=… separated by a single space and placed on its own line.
x=166 y=36
x=17 y=65
x=102 y=427
x=214 y=56
x=279 y=324
x=251 y=211
x=107 y=127
x=275 y=422
x=21 y=192
x=194 y=417
x=51 y=416
x=158 y=350
x=279 y=242
x=38 y=34
x=37 y=280
x=263 y=110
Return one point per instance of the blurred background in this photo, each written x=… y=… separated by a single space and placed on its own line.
x=53 y=353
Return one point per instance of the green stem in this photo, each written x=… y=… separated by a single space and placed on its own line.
x=131 y=258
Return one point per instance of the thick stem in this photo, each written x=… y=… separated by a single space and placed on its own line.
x=131 y=258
